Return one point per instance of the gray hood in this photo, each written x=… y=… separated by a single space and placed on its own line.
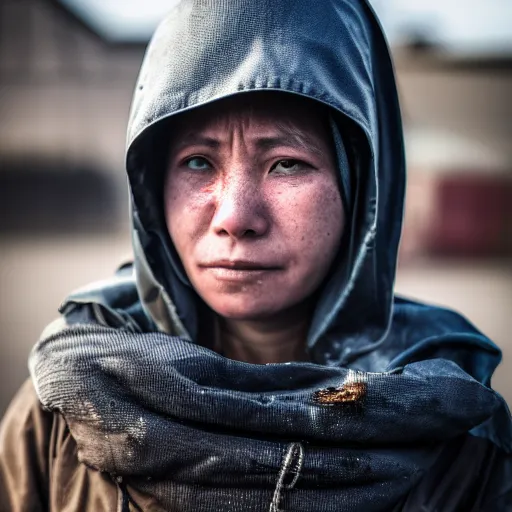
x=331 y=51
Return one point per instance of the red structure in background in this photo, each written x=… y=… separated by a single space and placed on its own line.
x=472 y=216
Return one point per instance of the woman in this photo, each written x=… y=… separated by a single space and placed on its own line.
x=255 y=357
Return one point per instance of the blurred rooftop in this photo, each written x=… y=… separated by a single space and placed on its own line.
x=474 y=28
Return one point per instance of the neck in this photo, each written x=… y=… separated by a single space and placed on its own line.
x=265 y=341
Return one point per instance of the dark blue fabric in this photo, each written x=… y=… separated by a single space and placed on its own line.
x=212 y=432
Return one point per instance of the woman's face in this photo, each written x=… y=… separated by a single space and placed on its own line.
x=252 y=203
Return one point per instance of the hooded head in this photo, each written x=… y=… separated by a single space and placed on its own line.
x=321 y=69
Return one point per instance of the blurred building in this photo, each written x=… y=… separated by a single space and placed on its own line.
x=66 y=79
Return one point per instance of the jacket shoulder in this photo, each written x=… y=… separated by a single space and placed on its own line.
x=113 y=302
x=25 y=434
x=423 y=331
x=39 y=465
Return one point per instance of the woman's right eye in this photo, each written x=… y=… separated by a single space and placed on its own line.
x=197 y=163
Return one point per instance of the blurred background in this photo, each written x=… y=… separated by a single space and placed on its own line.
x=67 y=70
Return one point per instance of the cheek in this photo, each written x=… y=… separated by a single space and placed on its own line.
x=186 y=212
x=313 y=219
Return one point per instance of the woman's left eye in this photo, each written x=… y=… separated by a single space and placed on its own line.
x=197 y=163
x=287 y=166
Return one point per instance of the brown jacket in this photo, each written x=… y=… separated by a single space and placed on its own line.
x=40 y=471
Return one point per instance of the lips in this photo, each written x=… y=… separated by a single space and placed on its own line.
x=240 y=271
x=241 y=265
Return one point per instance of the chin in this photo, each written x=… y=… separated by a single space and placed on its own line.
x=242 y=311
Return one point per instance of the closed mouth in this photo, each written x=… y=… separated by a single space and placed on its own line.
x=240 y=265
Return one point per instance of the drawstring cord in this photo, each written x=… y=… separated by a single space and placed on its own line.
x=292 y=464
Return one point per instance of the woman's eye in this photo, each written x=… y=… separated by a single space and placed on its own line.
x=287 y=166
x=197 y=163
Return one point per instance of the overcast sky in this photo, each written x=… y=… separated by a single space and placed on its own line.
x=481 y=26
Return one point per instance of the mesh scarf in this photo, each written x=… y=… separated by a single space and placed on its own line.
x=201 y=432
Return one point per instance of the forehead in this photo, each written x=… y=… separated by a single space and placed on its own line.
x=268 y=112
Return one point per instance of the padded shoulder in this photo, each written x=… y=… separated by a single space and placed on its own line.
x=25 y=434
x=114 y=302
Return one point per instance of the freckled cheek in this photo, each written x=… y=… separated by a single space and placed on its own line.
x=312 y=217
x=187 y=213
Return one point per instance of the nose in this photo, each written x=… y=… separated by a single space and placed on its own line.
x=240 y=211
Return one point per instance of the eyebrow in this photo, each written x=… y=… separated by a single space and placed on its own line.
x=291 y=139
x=198 y=140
